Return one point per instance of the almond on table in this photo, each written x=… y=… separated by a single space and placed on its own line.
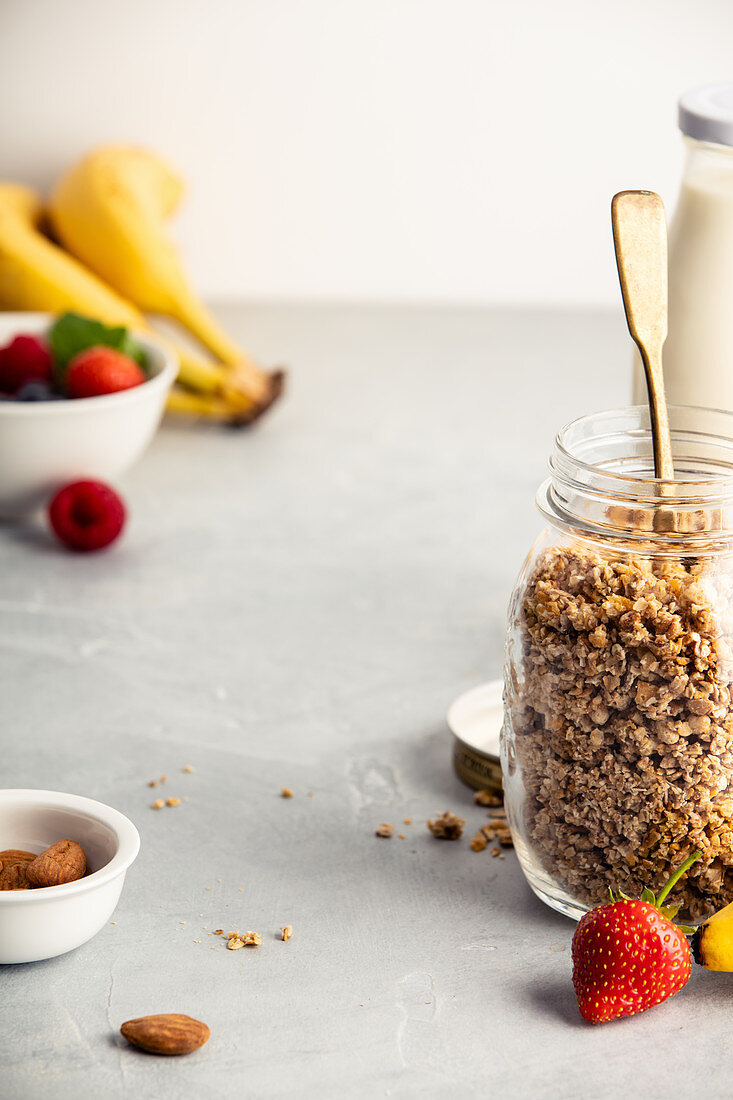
x=167 y=1033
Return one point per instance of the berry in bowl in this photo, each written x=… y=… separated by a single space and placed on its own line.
x=78 y=400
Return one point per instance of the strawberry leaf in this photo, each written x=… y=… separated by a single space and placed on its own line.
x=72 y=333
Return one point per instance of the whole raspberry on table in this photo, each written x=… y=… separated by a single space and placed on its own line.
x=101 y=370
x=628 y=955
x=87 y=515
x=25 y=359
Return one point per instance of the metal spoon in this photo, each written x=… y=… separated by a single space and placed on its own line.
x=640 y=241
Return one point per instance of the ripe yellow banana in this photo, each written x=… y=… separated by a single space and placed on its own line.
x=35 y=274
x=109 y=211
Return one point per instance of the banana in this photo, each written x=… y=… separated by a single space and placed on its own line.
x=109 y=212
x=712 y=944
x=35 y=274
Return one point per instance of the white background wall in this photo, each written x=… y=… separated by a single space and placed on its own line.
x=461 y=150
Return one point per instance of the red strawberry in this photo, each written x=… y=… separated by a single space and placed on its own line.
x=25 y=359
x=87 y=515
x=101 y=370
x=629 y=956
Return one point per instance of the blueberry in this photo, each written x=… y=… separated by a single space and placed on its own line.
x=36 y=391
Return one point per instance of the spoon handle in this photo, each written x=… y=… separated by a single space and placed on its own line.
x=640 y=241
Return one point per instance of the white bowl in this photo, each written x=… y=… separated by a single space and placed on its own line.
x=50 y=920
x=46 y=444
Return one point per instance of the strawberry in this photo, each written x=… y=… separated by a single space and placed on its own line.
x=100 y=370
x=628 y=955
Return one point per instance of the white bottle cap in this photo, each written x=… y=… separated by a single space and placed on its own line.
x=706 y=114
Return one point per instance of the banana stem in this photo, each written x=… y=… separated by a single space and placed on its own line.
x=194 y=315
x=212 y=408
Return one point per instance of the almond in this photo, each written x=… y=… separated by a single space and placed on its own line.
x=13 y=876
x=62 y=862
x=16 y=855
x=167 y=1033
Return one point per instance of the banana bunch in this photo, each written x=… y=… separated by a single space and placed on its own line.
x=114 y=262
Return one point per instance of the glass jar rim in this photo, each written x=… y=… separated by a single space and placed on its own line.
x=602 y=476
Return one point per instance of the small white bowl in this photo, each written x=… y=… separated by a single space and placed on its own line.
x=46 y=444
x=47 y=921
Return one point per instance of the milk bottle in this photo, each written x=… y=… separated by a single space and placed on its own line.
x=698 y=353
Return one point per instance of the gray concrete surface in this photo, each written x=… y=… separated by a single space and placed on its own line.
x=298 y=605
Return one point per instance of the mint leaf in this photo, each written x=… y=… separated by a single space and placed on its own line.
x=72 y=333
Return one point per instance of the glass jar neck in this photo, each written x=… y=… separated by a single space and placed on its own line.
x=703 y=156
x=602 y=483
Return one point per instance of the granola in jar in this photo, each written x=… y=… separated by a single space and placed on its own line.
x=618 y=737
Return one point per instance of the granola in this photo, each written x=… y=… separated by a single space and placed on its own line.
x=447 y=827
x=620 y=711
x=488 y=798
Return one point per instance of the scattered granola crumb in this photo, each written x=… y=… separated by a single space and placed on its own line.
x=286 y=792
x=187 y=768
x=479 y=842
x=498 y=830
x=173 y=802
x=181 y=922
x=385 y=829
x=407 y=821
x=218 y=932
x=251 y=939
x=234 y=943
x=488 y=798
x=113 y=922
x=310 y=794
x=163 y=778
x=401 y=836
x=153 y=783
x=287 y=931
x=447 y=827
x=157 y=805
x=207 y=887
x=496 y=852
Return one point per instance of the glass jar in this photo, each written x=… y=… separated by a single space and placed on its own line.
x=698 y=353
x=617 y=745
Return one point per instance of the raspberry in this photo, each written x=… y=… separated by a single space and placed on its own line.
x=25 y=359
x=101 y=370
x=87 y=515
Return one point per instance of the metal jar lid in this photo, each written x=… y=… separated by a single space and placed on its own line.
x=475 y=720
